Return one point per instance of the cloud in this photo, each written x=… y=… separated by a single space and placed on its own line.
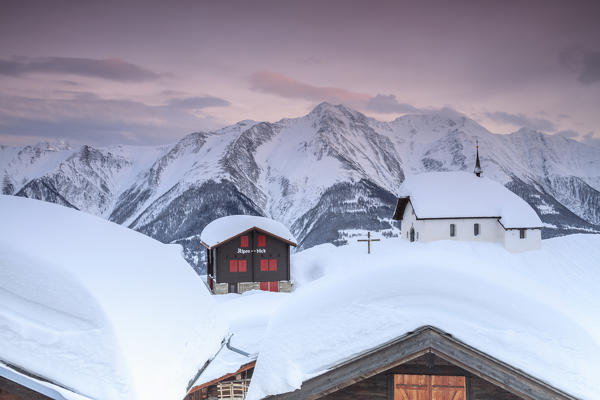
x=389 y=104
x=590 y=72
x=87 y=118
x=585 y=64
x=284 y=86
x=194 y=103
x=112 y=69
x=521 y=120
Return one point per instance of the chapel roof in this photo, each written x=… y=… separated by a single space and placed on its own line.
x=464 y=195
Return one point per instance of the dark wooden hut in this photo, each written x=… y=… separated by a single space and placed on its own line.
x=247 y=252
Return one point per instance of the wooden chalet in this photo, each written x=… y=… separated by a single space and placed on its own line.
x=230 y=386
x=247 y=252
x=426 y=364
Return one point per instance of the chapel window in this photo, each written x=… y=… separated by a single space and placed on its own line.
x=521 y=233
x=476 y=229
x=452 y=230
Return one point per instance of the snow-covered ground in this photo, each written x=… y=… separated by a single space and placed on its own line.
x=111 y=314
x=97 y=308
x=538 y=311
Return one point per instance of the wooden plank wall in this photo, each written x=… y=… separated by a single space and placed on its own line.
x=377 y=387
x=10 y=390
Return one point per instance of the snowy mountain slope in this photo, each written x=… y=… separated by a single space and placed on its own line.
x=329 y=172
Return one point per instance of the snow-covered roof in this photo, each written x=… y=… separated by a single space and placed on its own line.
x=225 y=228
x=37 y=385
x=100 y=309
x=248 y=316
x=535 y=311
x=462 y=194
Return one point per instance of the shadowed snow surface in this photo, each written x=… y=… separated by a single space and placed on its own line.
x=537 y=311
x=96 y=307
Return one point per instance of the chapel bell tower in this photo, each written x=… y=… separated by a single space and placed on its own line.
x=477 y=171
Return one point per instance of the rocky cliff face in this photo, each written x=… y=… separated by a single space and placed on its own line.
x=328 y=175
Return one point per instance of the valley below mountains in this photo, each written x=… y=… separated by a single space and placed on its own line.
x=330 y=175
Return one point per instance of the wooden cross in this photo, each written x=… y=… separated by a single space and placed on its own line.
x=369 y=240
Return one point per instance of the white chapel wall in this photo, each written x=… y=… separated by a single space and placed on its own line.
x=409 y=220
x=514 y=243
x=439 y=229
x=427 y=230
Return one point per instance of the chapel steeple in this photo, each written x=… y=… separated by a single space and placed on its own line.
x=477 y=171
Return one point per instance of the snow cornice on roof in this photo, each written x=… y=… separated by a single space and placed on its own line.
x=403 y=202
x=424 y=340
x=225 y=229
x=461 y=195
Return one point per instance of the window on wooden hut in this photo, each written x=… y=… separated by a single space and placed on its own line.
x=476 y=229
x=521 y=233
x=244 y=241
x=452 y=230
x=262 y=241
x=233 y=266
x=264 y=265
x=242 y=266
x=273 y=265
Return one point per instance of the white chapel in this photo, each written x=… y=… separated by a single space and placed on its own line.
x=466 y=206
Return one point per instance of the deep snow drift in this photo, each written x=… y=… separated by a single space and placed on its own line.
x=98 y=308
x=538 y=310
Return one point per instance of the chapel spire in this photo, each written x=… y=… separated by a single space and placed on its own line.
x=477 y=171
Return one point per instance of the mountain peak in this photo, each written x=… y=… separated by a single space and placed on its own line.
x=339 y=110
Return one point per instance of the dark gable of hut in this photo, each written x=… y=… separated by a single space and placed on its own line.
x=254 y=255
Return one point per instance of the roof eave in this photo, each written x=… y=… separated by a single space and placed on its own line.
x=426 y=339
x=246 y=231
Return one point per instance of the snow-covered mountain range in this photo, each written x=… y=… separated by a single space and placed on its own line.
x=327 y=175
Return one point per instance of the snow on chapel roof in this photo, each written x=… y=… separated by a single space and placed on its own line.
x=461 y=194
x=225 y=228
x=99 y=309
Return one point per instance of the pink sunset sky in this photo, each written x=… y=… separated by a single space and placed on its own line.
x=147 y=72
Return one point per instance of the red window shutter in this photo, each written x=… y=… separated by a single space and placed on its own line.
x=244 y=241
x=264 y=265
x=262 y=241
x=264 y=286
x=273 y=265
x=233 y=266
x=274 y=286
x=242 y=266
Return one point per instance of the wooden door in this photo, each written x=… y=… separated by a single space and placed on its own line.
x=426 y=387
x=412 y=387
x=448 y=388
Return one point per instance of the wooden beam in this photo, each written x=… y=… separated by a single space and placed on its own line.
x=13 y=390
